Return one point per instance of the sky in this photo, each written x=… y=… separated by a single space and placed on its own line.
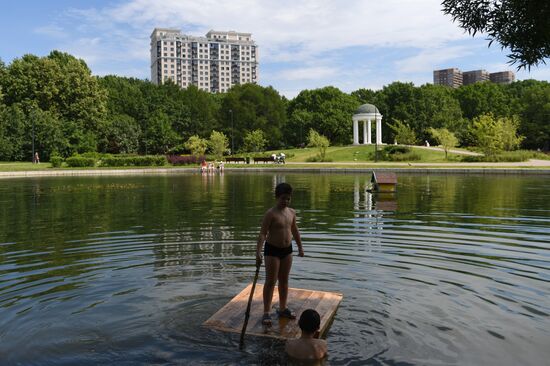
x=302 y=44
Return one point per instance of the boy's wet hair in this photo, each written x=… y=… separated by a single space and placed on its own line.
x=310 y=321
x=283 y=188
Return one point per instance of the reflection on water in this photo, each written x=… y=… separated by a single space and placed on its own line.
x=448 y=270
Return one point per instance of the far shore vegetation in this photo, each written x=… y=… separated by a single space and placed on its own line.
x=54 y=106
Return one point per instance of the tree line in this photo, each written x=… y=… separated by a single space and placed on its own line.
x=68 y=111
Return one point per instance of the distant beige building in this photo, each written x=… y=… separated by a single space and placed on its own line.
x=449 y=77
x=454 y=77
x=213 y=63
x=503 y=77
x=474 y=76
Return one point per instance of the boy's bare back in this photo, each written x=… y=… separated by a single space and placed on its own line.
x=306 y=349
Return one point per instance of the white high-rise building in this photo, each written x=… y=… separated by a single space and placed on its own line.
x=213 y=63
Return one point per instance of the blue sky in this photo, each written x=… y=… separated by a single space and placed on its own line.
x=303 y=44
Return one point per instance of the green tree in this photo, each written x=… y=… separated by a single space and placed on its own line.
x=202 y=111
x=196 y=145
x=120 y=135
x=445 y=138
x=296 y=128
x=532 y=99
x=126 y=96
x=328 y=110
x=365 y=96
x=483 y=98
x=319 y=141
x=13 y=129
x=251 y=107
x=403 y=133
x=159 y=136
x=254 y=141
x=509 y=133
x=493 y=135
x=62 y=86
x=218 y=144
x=436 y=107
x=520 y=26
x=397 y=101
x=48 y=131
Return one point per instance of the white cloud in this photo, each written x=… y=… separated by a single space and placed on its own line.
x=52 y=30
x=313 y=25
x=431 y=59
x=302 y=44
x=287 y=30
x=308 y=73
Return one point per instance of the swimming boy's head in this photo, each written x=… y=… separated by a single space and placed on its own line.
x=310 y=321
x=283 y=188
x=283 y=192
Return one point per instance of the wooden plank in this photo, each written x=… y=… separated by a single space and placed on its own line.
x=310 y=301
x=219 y=319
x=230 y=317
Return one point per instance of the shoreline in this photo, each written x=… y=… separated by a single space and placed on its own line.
x=504 y=170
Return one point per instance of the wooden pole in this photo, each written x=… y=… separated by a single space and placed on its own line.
x=247 y=313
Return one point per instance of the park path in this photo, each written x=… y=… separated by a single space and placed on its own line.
x=454 y=151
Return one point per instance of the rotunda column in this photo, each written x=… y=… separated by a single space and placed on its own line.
x=369 y=133
x=379 y=130
x=355 y=132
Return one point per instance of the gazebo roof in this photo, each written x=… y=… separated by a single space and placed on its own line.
x=366 y=108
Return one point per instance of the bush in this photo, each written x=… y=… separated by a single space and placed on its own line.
x=185 y=159
x=56 y=161
x=396 y=149
x=317 y=158
x=405 y=157
x=137 y=160
x=78 y=161
x=396 y=153
x=504 y=157
x=91 y=155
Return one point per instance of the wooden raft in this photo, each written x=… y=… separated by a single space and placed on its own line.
x=230 y=318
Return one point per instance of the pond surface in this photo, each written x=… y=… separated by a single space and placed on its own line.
x=453 y=269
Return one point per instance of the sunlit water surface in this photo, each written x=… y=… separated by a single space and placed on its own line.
x=453 y=269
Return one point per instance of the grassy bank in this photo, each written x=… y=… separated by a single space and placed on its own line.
x=361 y=153
x=345 y=157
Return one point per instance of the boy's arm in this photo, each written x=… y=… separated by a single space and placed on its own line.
x=297 y=238
x=261 y=238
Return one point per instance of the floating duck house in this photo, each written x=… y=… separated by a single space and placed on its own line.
x=384 y=182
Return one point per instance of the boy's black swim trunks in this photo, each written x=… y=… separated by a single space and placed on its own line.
x=273 y=251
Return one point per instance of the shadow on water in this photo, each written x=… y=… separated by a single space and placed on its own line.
x=449 y=270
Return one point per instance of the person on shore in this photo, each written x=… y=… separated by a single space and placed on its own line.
x=36 y=158
x=278 y=229
x=308 y=346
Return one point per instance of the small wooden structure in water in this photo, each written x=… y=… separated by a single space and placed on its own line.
x=230 y=318
x=384 y=181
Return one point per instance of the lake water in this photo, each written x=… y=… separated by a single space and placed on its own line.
x=453 y=269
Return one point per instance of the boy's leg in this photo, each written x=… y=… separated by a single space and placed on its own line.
x=271 y=270
x=284 y=271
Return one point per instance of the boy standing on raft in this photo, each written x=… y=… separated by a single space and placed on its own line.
x=278 y=229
